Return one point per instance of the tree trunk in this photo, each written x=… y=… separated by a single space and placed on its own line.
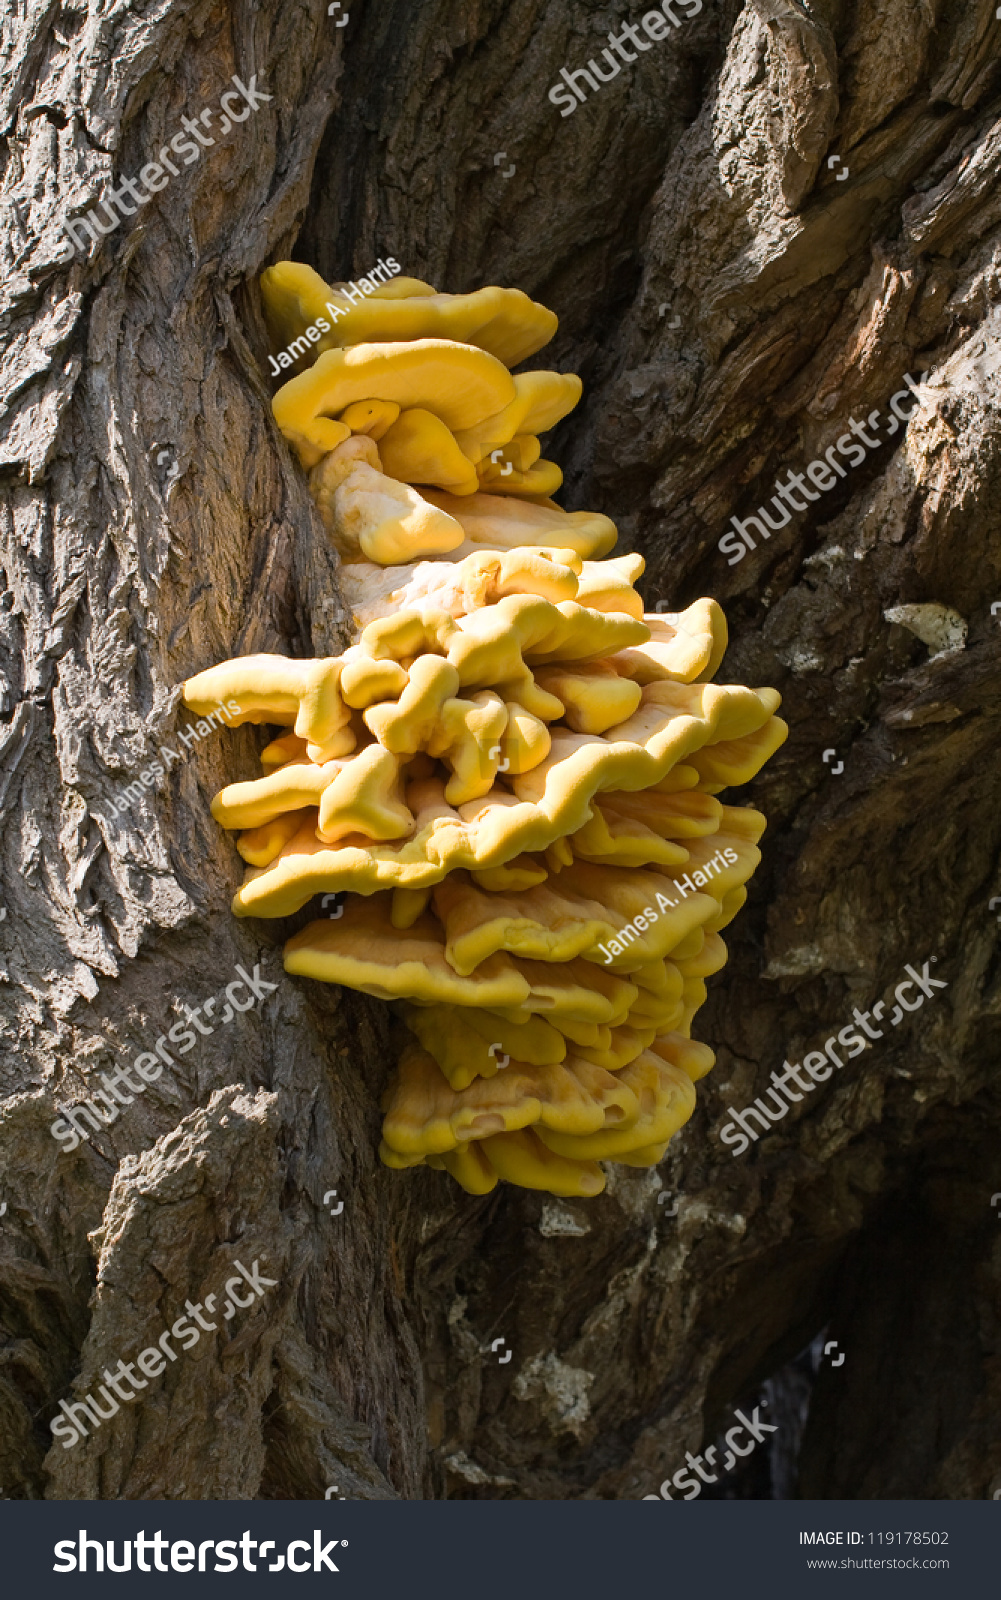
x=812 y=191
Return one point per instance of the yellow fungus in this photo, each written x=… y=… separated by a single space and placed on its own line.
x=364 y=797
x=500 y=477
x=364 y=682
x=505 y=523
x=459 y=586
x=407 y=906
x=363 y=950
x=608 y=585
x=419 y=448
x=692 y=1058
x=511 y=772
x=459 y=384
x=468 y=739
x=367 y=512
x=525 y=741
x=259 y=846
x=468 y=1043
x=682 y=648
x=667 y=1098
x=504 y=322
x=288 y=748
x=469 y=1167
x=524 y=872
x=547 y=923
x=295 y=785
x=595 y=698
x=541 y=399
x=623 y=1045
x=370 y=417
x=523 y=1160
x=616 y=840
x=405 y=725
x=426 y=1115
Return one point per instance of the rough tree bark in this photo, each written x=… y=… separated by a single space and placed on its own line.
x=153 y=523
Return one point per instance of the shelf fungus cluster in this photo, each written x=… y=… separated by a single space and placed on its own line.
x=512 y=774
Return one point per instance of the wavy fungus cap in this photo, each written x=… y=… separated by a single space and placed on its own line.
x=512 y=770
x=457 y=383
x=503 y=322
